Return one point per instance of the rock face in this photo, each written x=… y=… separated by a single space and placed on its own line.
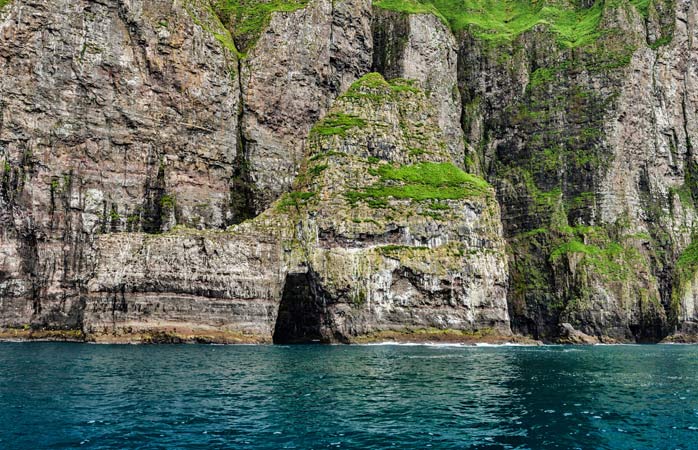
x=586 y=145
x=337 y=259
x=300 y=64
x=212 y=170
x=117 y=116
x=426 y=53
x=394 y=237
x=205 y=286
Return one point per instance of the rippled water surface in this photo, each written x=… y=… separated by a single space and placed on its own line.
x=408 y=397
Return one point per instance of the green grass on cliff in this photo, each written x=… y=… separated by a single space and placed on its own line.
x=374 y=87
x=500 y=21
x=688 y=261
x=614 y=260
x=337 y=124
x=433 y=174
x=642 y=5
x=496 y=21
x=686 y=267
x=423 y=181
x=247 y=19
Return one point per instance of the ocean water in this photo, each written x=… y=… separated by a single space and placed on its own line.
x=60 y=396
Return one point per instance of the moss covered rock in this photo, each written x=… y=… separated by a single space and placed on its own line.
x=392 y=234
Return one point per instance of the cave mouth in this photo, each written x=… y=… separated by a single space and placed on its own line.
x=300 y=314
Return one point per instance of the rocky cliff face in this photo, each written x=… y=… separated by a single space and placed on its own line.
x=589 y=149
x=213 y=170
x=381 y=235
x=393 y=236
x=116 y=117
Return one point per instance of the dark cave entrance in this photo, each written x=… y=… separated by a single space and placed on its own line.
x=300 y=314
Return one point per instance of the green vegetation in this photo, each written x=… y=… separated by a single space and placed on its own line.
x=542 y=76
x=501 y=21
x=642 y=5
x=209 y=20
x=686 y=267
x=133 y=219
x=403 y=85
x=374 y=87
x=388 y=250
x=417 y=152
x=436 y=206
x=167 y=202
x=4 y=3
x=613 y=260
x=559 y=271
x=247 y=19
x=664 y=40
x=337 y=124
x=294 y=200
x=688 y=261
x=423 y=181
x=371 y=80
x=433 y=174
x=317 y=170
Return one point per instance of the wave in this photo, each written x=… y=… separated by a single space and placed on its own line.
x=443 y=344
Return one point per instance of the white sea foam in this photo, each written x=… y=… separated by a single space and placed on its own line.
x=443 y=344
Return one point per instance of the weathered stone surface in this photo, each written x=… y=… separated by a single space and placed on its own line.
x=429 y=255
x=302 y=61
x=204 y=286
x=568 y=335
x=123 y=121
x=421 y=47
x=329 y=267
x=116 y=116
x=584 y=146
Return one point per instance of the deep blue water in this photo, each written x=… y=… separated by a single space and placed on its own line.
x=263 y=397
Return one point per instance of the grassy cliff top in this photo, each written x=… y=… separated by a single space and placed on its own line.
x=497 y=21
x=503 y=20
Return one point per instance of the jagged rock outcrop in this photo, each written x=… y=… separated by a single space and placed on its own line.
x=394 y=237
x=421 y=47
x=568 y=335
x=586 y=145
x=382 y=234
x=206 y=286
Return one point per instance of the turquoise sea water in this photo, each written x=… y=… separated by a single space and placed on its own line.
x=362 y=397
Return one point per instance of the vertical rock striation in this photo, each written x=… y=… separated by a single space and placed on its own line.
x=382 y=237
x=117 y=116
x=421 y=47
